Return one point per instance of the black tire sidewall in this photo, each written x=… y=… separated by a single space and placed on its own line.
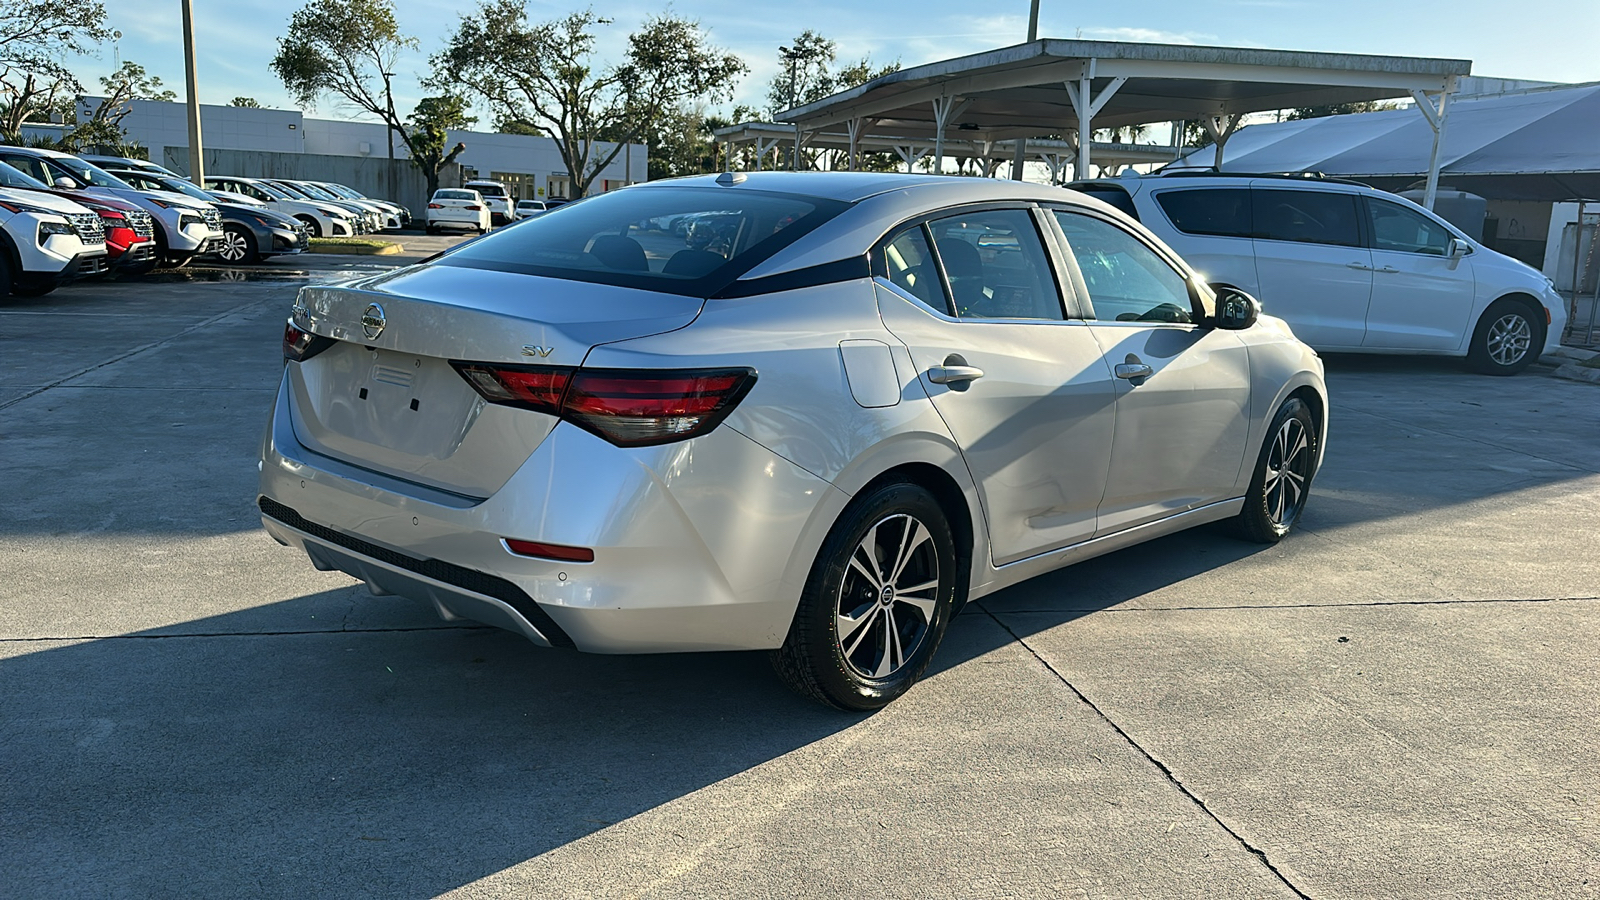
x=813 y=639
x=1255 y=523
x=1478 y=354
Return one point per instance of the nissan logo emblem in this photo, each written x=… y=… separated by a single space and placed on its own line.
x=372 y=320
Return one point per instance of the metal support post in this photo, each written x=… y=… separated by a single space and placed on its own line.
x=1019 y=158
x=1437 y=120
x=197 y=168
x=945 y=109
x=1086 y=106
x=1220 y=128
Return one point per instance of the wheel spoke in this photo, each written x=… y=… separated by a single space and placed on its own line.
x=915 y=537
x=923 y=605
x=854 y=630
x=891 y=646
x=859 y=566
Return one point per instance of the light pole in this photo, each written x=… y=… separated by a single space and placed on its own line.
x=388 y=128
x=1033 y=22
x=792 y=57
x=197 y=169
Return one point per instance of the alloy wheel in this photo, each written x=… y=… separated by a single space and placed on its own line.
x=234 y=248
x=888 y=596
x=1288 y=472
x=1509 y=339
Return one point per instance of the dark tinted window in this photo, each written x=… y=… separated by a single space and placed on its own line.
x=1395 y=227
x=1307 y=217
x=912 y=268
x=1112 y=194
x=996 y=266
x=1218 y=211
x=683 y=240
x=16 y=178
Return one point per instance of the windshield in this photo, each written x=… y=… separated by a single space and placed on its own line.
x=179 y=186
x=314 y=191
x=16 y=178
x=488 y=190
x=291 y=191
x=270 y=190
x=342 y=191
x=87 y=173
x=681 y=240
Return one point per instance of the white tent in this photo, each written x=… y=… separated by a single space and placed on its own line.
x=1541 y=144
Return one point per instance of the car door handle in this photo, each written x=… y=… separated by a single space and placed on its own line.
x=954 y=374
x=1390 y=269
x=1133 y=371
x=1361 y=267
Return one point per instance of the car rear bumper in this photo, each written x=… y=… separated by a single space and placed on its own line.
x=691 y=541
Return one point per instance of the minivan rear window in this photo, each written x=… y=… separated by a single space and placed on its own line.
x=1110 y=194
x=1213 y=211
x=681 y=240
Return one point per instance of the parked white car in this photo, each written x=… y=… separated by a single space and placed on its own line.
x=322 y=219
x=457 y=208
x=46 y=241
x=527 y=209
x=497 y=197
x=1349 y=267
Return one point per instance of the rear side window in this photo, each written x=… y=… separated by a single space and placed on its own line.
x=996 y=266
x=1396 y=228
x=912 y=268
x=1306 y=217
x=682 y=240
x=1110 y=194
x=1213 y=211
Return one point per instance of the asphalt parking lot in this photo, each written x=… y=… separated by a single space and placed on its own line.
x=1399 y=701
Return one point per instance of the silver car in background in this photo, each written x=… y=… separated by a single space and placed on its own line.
x=816 y=423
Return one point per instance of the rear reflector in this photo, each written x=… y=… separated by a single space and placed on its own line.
x=550 y=551
x=628 y=407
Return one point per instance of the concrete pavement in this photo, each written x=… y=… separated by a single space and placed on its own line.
x=1398 y=701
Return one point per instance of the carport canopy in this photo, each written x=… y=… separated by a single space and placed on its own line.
x=1072 y=87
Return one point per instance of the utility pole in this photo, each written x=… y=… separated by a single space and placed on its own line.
x=792 y=57
x=1033 y=22
x=197 y=168
x=388 y=129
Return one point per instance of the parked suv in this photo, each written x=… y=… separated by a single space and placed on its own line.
x=185 y=228
x=251 y=231
x=46 y=241
x=1350 y=267
x=497 y=197
x=129 y=231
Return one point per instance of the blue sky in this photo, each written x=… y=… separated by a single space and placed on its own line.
x=1544 y=39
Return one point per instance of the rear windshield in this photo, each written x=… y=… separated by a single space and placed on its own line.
x=490 y=190
x=455 y=195
x=681 y=240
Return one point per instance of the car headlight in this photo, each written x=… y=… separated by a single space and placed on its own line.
x=48 y=228
x=333 y=213
x=187 y=219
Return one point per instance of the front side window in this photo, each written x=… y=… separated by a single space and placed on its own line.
x=1223 y=212
x=1396 y=228
x=1126 y=280
x=1306 y=217
x=32 y=166
x=913 y=269
x=996 y=266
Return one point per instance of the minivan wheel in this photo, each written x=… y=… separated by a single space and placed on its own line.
x=1507 y=340
x=1282 y=477
x=877 y=601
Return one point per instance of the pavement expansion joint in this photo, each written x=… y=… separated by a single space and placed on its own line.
x=1150 y=609
x=129 y=354
x=241 y=634
x=1171 y=777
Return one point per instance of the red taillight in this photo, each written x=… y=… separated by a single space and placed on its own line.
x=550 y=551
x=472 y=207
x=299 y=346
x=436 y=206
x=628 y=407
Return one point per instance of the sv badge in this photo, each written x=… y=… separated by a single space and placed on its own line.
x=541 y=352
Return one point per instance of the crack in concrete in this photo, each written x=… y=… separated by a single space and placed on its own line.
x=1165 y=770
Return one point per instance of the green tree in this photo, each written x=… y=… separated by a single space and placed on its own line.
x=350 y=49
x=36 y=37
x=430 y=124
x=1338 y=109
x=547 y=76
x=803 y=73
x=247 y=102
x=102 y=129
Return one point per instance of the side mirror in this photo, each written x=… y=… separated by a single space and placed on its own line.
x=1457 y=248
x=64 y=183
x=1236 y=310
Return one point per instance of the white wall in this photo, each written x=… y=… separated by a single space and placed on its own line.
x=161 y=125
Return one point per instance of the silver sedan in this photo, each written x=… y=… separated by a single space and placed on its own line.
x=816 y=422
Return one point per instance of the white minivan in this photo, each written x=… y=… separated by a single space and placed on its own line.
x=1349 y=267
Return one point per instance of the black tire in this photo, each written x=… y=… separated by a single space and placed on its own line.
x=31 y=290
x=7 y=274
x=896 y=633
x=312 y=225
x=1508 y=339
x=430 y=229
x=238 y=246
x=1281 y=481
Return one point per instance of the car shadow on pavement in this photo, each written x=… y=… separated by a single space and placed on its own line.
x=422 y=758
